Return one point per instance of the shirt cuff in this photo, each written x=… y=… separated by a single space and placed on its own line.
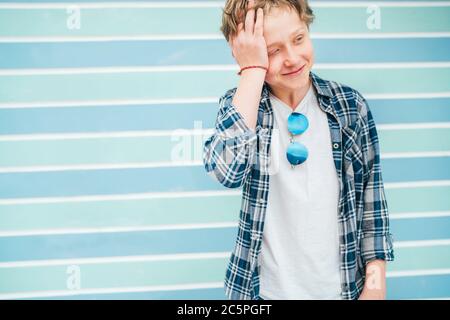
x=377 y=247
x=233 y=127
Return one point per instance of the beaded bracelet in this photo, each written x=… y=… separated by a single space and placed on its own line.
x=239 y=73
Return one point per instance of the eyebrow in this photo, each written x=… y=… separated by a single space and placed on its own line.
x=296 y=31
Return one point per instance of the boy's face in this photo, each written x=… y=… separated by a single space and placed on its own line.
x=294 y=50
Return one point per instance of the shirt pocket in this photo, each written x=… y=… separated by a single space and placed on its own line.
x=352 y=157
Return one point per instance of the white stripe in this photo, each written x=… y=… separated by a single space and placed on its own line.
x=431 y=95
x=417 y=184
x=138 y=102
x=186 y=132
x=201 y=68
x=414 y=215
x=105 y=70
x=106 y=103
x=413 y=273
x=102 y=135
x=179 y=256
x=176 y=163
x=364 y=4
x=381 y=65
x=141 y=165
x=173 y=37
x=218 y=36
x=120 y=197
x=107 y=5
x=421 y=243
x=120 y=259
x=413 y=126
x=16 y=233
x=41 y=232
x=62 y=293
x=213 y=4
x=425 y=154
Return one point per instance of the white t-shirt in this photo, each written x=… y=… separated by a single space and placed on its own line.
x=299 y=257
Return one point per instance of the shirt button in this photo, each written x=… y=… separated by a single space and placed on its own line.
x=261 y=200
x=335 y=145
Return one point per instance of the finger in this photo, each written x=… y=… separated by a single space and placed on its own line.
x=250 y=21
x=259 y=22
x=241 y=14
x=240 y=26
x=239 y=29
x=250 y=17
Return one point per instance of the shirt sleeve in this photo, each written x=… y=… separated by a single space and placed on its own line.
x=377 y=241
x=230 y=152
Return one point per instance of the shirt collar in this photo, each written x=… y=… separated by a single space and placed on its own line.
x=322 y=86
x=323 y=90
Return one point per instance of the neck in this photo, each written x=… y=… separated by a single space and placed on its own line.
x=292 y=98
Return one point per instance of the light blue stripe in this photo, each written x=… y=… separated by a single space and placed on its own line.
x=202 y=52
x=108 y=118
x=175 y=179
x=91 y=182
x=117 y=244
x=420 y=228
x=172 y=241
x=419 y=287
x=416 y=169
x=158 y=117
x=381 y=50
x=410 y=110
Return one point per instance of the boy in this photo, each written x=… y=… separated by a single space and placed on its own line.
x=314 y=220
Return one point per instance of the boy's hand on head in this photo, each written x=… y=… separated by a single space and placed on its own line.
x=248 y=46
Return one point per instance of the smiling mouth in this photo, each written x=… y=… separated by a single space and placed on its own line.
x=286 y=74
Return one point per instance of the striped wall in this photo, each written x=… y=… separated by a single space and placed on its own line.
x=102 y=121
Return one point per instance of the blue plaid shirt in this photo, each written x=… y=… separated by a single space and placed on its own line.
x=236 y=156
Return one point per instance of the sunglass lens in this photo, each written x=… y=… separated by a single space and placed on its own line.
x=297 y=123
x=296 y=153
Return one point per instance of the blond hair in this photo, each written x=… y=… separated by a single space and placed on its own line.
x=232 y=13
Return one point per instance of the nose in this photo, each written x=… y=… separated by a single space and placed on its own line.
x=291 y=57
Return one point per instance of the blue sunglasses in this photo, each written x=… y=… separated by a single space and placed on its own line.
x=296 y=152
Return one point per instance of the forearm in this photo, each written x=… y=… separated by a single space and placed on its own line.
x=375 y=283
x=248 y=95
x=228 y=154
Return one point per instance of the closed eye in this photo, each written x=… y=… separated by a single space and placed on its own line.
x=273 y=52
